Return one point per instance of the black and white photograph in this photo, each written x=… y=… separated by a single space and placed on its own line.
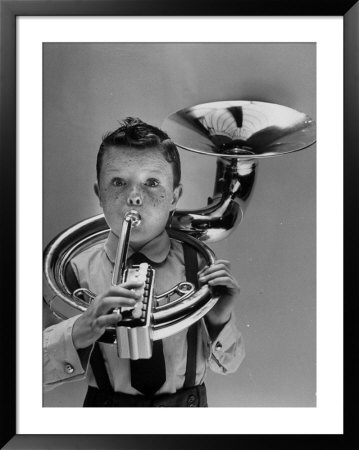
x=179 y=218
x=175 y=180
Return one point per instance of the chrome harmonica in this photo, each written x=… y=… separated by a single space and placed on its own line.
x=134 y=330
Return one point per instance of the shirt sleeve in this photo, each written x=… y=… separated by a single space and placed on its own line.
x=61 y=360
x=226 y=352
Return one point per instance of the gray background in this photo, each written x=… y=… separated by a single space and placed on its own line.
x=89 y=87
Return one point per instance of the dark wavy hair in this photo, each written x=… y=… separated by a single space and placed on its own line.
x=133 y=133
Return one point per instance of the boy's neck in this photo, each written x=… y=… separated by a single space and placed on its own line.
x=156 y=249
x=137 y=246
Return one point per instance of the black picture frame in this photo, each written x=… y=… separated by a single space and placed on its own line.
x=9 y=11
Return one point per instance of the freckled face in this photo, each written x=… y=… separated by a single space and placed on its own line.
x=140 y=180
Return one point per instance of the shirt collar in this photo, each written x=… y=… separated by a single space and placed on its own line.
x=155 y=250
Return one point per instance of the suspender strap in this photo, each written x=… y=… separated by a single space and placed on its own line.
x=70 y=278
x=97 y=362
x=99 y=369
x=191 y=264
x=191 y=267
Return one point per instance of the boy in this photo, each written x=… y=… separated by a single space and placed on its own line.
x=138 y=167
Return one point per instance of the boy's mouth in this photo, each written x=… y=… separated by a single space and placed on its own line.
x=134 y=217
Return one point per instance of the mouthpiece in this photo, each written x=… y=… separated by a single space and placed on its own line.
x=133 y=216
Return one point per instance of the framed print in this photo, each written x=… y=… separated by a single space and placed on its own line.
x=61 y=92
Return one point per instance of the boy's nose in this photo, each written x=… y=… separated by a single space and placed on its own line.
x=134 y=199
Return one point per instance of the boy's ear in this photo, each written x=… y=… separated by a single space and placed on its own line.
x=177 y=192
x=97 y=192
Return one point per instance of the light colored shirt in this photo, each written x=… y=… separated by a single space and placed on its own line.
x=93 y=269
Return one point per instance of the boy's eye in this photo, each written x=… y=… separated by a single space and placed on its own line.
x=152 y=182
x=118 y=182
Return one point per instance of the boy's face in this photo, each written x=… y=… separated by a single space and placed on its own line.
x=133 y=179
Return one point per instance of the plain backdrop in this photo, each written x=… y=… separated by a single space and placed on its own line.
x=88 y=88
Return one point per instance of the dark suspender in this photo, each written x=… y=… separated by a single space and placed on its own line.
x=98 y=364
x=99 y=369
x=191 y=267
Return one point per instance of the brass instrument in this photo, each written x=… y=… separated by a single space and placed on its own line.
x=238 y=134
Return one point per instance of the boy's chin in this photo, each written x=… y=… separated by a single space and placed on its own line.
x=141 y=237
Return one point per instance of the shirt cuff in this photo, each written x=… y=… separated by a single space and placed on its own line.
x=62 y=362
x=226 y=351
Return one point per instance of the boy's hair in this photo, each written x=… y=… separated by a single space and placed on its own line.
x=140 y=135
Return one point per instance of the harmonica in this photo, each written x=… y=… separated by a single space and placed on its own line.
x=134 y=332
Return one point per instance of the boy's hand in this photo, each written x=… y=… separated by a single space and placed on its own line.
x=92 y=323
x=219 y=277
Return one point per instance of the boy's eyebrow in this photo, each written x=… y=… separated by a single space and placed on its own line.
x=151 y=171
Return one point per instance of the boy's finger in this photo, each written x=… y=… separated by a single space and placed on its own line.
x=214 y=275
x=214 y=269
x=225 y=282
x=202 y=270
x=223 y=261
x=109 y=319
x=114 y=302
x=218 y=264
x=125 y=290
x=221 y=281
x=131 y=284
